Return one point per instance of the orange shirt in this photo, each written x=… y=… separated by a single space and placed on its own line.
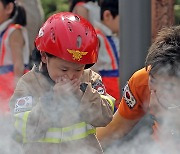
x=136 y=96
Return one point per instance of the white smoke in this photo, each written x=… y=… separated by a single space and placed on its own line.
x=141 y=143
x=64 y=112
x=7 y=144
x=167 y=139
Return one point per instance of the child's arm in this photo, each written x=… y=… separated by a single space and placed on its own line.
x=16 y=44
x=96 y=105
x=30 y=121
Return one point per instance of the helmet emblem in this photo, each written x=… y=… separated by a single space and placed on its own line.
x=77 y=55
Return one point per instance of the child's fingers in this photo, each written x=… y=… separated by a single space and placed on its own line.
x=64 y=85
x=76 y=84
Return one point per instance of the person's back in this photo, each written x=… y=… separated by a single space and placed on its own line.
x=14 y=47
x=108 y=61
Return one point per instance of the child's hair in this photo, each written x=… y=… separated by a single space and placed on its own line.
x=36 y=59
x=36 y=56
x=111 y=5
x=18 y=13
x=164 y=54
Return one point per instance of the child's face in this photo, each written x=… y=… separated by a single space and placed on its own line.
x=5 y=12
x=115 y=24
x=58 y=68
x=2 y=12
x=111 y=22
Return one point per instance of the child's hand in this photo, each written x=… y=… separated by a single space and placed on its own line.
x=64 y=86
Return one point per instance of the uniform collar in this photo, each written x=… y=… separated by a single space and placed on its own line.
x=45 y=82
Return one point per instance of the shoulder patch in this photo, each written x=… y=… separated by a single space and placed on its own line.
x=99 y=86
x=128 y=97
x=23 y=104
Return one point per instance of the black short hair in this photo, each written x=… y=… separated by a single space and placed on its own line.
x=18 y=11
x=164 y=54
x=7 y=1
x=111 y=5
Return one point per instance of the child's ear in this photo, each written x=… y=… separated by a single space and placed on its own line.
x=9 y=8
x=107 y=15
x=43 y=57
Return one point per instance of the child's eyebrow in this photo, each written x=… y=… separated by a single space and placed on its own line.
x=80 y=67
x=74 y=67
x=63 y=66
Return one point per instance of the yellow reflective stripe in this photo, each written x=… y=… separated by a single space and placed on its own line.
x=79 y=125
x=56 y=135
x=21 y=122
x=16 y=124
x=76 y=137
x=64 y=129
x=83 y=135
x=18 y=121
x=54 y=129
x=50 y=140
x=65 y=134
x=25 y=117
x=91 y=131
x=109 y=100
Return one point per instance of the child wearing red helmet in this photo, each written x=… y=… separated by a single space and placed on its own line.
x=60 y=102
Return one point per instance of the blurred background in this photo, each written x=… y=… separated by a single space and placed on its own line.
x=52 y=6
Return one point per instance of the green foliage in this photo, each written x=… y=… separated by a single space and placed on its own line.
x=53 y=6
x=177 y=2
x=177 y=12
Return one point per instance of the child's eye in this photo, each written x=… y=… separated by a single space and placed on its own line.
x=64 y=70
x=79 y=70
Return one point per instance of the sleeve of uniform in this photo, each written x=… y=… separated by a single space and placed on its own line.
x=96 y=106
x=135 y=101
x=29 y=119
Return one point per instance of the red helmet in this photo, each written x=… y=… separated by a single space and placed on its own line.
x=69 y=37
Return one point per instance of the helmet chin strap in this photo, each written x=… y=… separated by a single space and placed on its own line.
x=88 y=66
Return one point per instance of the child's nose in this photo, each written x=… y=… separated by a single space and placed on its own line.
x=71 y=75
